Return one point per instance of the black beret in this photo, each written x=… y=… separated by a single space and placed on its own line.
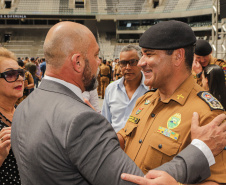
x=168 y=35
x=202 y=48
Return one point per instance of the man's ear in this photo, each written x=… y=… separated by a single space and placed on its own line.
x=179 y=56
x=76 y=61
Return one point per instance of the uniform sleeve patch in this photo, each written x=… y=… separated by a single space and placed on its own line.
x=213 y=103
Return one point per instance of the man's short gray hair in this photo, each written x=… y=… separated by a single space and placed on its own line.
x=131 y=47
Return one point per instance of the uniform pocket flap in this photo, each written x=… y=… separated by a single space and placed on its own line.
x=164 y=144
x=129 y=128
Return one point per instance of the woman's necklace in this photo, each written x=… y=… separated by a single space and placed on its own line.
x=5 y=118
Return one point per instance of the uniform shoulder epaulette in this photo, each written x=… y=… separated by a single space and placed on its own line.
x=213 y=103
x=152 y=90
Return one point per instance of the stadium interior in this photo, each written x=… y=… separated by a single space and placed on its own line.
x=115 y=23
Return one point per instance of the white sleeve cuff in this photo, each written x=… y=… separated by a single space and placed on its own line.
x=205 y=149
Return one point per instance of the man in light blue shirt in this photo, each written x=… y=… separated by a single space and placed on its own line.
x=121 y=95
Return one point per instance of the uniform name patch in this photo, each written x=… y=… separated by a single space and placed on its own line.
x=210 y=100
x=134 y=119
x=168 y=133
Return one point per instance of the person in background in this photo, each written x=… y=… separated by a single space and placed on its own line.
x=28 y=83
x=12 y=84
x=109 y=64
x=31 y=67
x=26 y=61
x=43 y=66
x=213 y=81
x=104 y=77
x=98 y=79
x=202 y=58
x=38 y=74
x=121 y=95
x=118 y=72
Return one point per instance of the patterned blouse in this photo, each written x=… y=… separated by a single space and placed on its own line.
x=9 y=173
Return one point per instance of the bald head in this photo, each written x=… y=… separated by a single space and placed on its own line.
x=64 y=39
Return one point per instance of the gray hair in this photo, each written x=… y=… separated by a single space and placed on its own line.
x=131 y=47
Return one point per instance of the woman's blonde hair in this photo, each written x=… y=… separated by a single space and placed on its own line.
x=5 y=53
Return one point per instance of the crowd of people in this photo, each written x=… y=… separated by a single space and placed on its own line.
x=163 y=112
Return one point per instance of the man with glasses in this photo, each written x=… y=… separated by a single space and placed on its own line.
x=121 y=95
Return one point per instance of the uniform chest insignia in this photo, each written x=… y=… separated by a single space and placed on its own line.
x=174 y=121
x=180 y=96
x=168 y=133
x=139 y=110
x=210 y=100
x=134 y=119
x=147 y=102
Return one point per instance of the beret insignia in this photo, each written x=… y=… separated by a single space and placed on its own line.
x=213 y=103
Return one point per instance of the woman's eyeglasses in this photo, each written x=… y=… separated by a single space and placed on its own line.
x=132 y=62
x=12 y=75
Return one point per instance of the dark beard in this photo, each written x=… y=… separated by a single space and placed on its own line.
x=90 y=82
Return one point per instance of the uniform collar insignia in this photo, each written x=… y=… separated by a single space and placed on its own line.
x=180 y=96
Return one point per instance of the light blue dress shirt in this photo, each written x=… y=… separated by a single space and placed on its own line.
x=117 y=106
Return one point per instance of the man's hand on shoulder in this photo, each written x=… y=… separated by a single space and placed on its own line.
x=213 y=134
x=153 y=177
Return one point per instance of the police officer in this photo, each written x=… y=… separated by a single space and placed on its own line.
x=159 y=126
x=202 y=58
x=104 y=79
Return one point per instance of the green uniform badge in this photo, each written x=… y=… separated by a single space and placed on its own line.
x=174 y=121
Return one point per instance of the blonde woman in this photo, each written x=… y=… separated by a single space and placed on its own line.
x=12 y=85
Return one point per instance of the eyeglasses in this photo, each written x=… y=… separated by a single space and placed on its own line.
x=132 y=62
x=12 y=75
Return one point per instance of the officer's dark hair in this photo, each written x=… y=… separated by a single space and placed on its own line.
x=189 y=54
x=104 y=61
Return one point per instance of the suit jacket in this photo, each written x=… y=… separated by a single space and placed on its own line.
x=58 y=139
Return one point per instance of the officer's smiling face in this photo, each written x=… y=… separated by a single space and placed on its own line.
x=156 y=66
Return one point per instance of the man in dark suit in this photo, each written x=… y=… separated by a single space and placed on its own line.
x=67 y=142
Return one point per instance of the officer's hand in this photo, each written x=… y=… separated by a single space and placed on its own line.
x=196 y=67
x=213 y=134
x=153 y=177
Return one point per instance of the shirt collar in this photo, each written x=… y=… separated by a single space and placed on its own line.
x=70 y=86
x=182 y=92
